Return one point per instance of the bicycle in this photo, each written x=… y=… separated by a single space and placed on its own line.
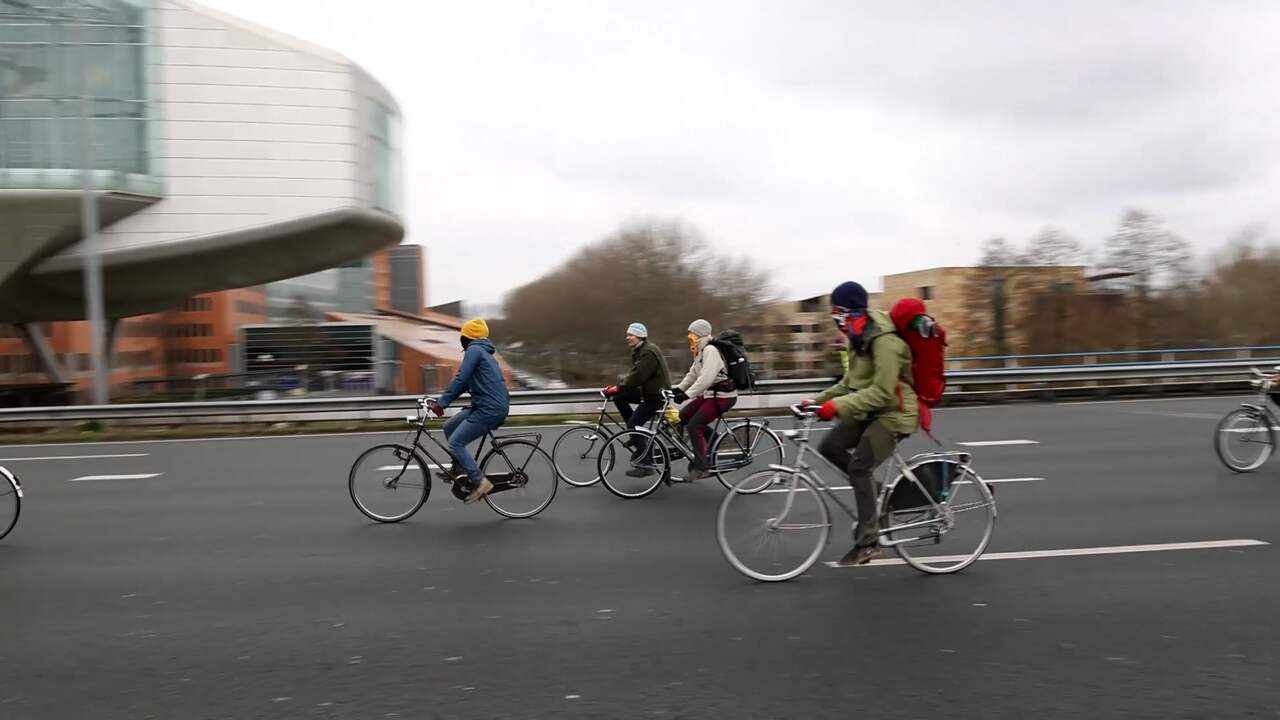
x=734 y=447
x=1252 y=427
x=573 y=451
x=10 y=501
x=918 y=508
x=390 y=482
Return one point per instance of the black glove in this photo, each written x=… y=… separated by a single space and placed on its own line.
x=679 y=395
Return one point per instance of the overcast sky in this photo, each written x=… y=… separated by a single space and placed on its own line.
x=828 y=140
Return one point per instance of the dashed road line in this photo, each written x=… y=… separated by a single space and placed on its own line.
x=137 y=476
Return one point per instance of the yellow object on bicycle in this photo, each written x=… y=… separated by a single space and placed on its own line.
x=673 y=415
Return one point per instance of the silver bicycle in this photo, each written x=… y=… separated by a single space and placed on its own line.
x=1246 y=436
x=936 y=512
x=10 y=501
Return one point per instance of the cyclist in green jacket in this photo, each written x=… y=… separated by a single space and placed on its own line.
x=874 y=403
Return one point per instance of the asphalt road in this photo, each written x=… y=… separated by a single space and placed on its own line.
x=239 y=582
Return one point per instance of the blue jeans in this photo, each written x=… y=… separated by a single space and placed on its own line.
x=461 y=430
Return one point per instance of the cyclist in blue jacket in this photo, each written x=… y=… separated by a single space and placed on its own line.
x=480 y=375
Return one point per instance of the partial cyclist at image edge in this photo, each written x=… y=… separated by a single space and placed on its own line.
x=707 y=392
x=875 y=404
x=481 y=376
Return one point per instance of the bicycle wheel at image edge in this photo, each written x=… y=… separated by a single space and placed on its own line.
x=523 y=487
x=740 y=451
x=1244 y=439
x=388 y=483
x=575 y=453
x=633 y=463
x=940 y=545
x=774 y=535
x=10 y=502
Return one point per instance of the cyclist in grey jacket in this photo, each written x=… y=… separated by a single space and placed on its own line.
x=708 y=393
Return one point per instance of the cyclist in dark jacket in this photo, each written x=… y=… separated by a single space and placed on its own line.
x=480 y=375
x=649 y=376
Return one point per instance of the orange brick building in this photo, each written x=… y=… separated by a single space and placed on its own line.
x=202 y=335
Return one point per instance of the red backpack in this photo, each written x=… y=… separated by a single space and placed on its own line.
x=928 y=343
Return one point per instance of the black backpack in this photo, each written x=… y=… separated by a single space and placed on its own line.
x=736 y=365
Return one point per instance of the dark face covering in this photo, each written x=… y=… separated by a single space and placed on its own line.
x=466 y=342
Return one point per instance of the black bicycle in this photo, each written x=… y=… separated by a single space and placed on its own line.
x=575 y=451
x=633 y=463
x=390 y=482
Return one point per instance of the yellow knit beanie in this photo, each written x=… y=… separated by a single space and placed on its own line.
x=476 y=329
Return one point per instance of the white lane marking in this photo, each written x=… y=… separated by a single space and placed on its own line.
x=959 y=482
x=74 y=457
x=1190 y=415
x=1075 y=552
x=1185 y=398
x=139 y=476
x=1247 y=430
x=995 y=443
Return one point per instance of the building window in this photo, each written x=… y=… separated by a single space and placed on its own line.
x=384 y=141
x=39 y=111
x=926 y=292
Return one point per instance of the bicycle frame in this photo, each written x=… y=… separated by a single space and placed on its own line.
x=1264 y=383
x=802 y=469
x=666 y=432
x=496 y=443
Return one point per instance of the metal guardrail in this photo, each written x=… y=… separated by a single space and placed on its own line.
x=963 y=385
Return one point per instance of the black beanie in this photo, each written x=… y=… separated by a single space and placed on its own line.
x=850 y=295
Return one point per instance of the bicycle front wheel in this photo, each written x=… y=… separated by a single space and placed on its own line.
x=523 y=477
x=741 y=450
x=388 y=483
x=1244 y=439
x=944 y=536
x=633 y=463
x=575 y=453
x=10 y=502
x=776 y=534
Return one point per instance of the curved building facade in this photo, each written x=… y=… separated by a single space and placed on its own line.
x=224 y=154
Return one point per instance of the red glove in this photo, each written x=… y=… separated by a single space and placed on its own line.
x=611 y=391
x=828 y=410
x=806 y=403
x=437 y=409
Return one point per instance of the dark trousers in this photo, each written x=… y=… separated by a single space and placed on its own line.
x=642 y=413
x=697 y=417
x=871 y=444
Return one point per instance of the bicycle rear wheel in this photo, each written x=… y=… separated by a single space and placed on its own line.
x=575 y=453
x=741 y=450
x=523 y=487
x=388 y=483
x=945 y=536
x=773 y=535
x=1244 y=439
x=633 y=463
x=10 y=502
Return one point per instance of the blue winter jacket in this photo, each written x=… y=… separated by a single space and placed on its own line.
x=482 y=377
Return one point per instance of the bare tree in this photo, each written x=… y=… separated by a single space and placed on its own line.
x=659 y=272
x=1159 y=260
x=1053 y=246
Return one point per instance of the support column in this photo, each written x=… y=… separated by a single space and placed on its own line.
x=43 y=352
x=109 y=351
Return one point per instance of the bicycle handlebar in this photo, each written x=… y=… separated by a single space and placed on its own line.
x=804 y=411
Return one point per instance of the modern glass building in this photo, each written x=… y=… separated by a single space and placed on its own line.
x=223 y=154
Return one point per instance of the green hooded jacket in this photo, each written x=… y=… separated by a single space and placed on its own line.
x=877 y=384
